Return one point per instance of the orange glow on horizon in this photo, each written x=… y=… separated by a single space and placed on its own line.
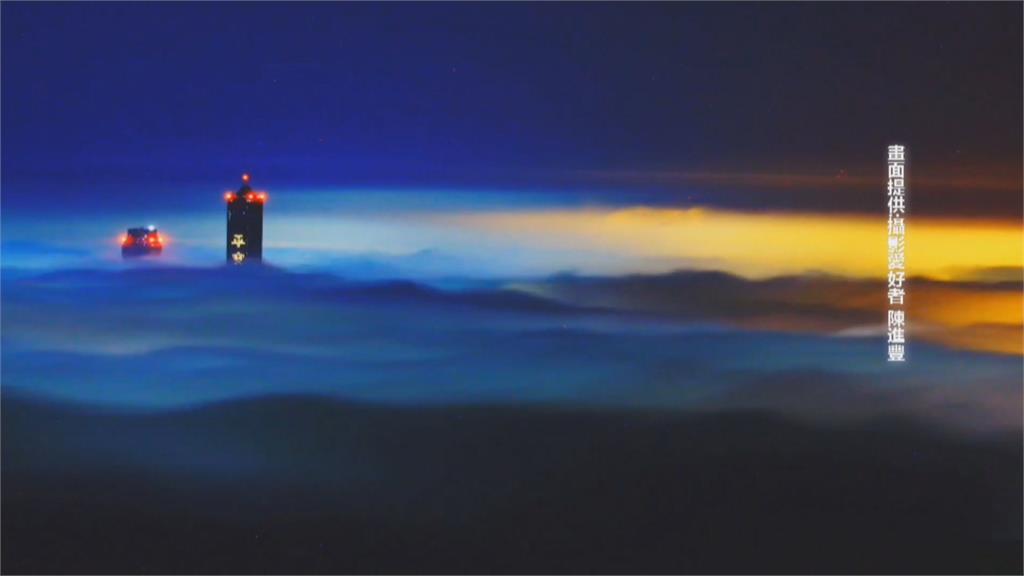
x=759 y=245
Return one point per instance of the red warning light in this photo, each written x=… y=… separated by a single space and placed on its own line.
x=245 y=178
x=229 y=196
x=262 y=196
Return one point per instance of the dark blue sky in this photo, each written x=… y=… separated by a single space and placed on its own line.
x=531 y=94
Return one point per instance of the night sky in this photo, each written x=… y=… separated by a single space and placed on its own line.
x=103 y=98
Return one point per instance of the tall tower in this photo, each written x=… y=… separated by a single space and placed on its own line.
x=245 y=224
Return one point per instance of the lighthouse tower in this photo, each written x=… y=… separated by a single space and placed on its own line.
x=245 y=224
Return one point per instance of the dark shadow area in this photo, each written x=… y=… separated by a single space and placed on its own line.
x=308 y=485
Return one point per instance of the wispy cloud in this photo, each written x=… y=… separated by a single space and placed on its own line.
x=973 y=316
x=160 y=338
x=951 y=189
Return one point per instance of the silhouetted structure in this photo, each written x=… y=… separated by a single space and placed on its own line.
x=245 y=224
x=141 y=242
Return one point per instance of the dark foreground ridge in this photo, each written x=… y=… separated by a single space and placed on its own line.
x=307 y=485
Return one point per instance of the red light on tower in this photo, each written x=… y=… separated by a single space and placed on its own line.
x=245 y=178
x=229 y=196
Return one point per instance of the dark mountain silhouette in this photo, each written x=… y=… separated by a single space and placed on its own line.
x=309 y=485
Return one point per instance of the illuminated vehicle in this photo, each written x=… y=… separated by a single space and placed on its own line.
x=141 y=242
